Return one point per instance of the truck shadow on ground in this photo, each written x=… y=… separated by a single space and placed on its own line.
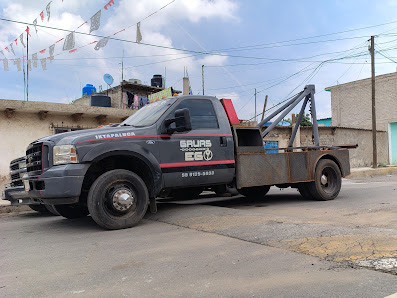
x=236 y=201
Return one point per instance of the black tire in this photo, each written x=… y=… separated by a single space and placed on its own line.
x=52 y=210
x=327 y=181
x=106 y=203
x=304 y=191
x=254 y=192
x=72 y=211
x=39 y=208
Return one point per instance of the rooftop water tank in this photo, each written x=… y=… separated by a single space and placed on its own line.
x=89 y=89
x=100 y=100
x=157 y=81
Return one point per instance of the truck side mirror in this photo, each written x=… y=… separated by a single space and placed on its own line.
x=182 y=121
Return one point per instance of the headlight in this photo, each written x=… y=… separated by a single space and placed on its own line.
x=65 y=154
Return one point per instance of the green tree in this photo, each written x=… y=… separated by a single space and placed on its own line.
x=304 y=122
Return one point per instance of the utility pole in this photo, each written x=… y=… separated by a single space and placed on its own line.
x=27 y=66
x=374 y=148
x=122 y=80
x=255 y=104
x=202 y=76
x=264 y=108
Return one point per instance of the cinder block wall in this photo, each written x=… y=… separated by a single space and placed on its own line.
x=351 y=103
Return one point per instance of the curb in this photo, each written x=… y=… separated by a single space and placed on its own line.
x=369 y=173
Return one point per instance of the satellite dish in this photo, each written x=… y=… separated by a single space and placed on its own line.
x=108 y=79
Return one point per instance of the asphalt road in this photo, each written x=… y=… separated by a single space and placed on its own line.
x=279 y=246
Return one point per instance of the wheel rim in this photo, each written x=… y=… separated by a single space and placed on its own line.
x=328 y=180
x=120 y=199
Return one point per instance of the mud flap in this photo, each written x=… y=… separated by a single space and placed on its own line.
x=153 y=205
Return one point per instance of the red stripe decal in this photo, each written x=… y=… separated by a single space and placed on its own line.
x=158 y=136
x=195 y=163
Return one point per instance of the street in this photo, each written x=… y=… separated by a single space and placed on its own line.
x=279 y=246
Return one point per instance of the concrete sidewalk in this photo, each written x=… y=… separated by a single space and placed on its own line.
x=357 y=173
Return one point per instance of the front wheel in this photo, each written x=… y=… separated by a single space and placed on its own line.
x=327 y=181
x=118 y=199
x=72 y=211
x=39 y=208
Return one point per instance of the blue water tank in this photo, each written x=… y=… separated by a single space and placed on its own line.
x=89 y=89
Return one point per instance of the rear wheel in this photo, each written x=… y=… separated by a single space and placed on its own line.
x=327 y=181
x=72 y=211
x=254 y=192
x=118 y=199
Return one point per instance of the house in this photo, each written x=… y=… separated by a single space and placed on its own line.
x=351 y=105
x=22 y=122
x=324 y=122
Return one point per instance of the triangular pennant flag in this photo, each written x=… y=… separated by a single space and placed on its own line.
x=138 y=32
x=35 y=24
x=34 y=58
x=2 y=53
x=42 y=16
x=69 y=42
x=43 y=63
x=12 y=49
x=108 y=4
x=27 y=30
x=29 y=65
x=5 y=64
x=51 y=50
x=95 y=21
x=17 y=62
x=21 y=39
x=48 y=11
x=102 y=43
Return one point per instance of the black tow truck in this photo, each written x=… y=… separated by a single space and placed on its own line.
x=177 y=145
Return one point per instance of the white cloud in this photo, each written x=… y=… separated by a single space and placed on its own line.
x=213 y=60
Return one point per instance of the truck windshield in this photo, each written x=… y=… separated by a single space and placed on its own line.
x=149 y=114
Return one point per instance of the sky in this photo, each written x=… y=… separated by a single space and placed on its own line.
x=276 y=47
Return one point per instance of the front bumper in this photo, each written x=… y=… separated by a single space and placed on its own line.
x=58 y=185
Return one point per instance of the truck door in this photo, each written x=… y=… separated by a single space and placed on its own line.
x=202 y=156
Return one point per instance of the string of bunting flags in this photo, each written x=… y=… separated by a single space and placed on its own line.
x=68 y=41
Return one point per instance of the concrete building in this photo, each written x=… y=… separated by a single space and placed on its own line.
x=351 y=106
x=324 y=122
x=23 y=122
x=116 y=93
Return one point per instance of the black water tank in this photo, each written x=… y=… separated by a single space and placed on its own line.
x=100 y=100
x=157 y=81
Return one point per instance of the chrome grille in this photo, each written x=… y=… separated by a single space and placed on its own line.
x=17 y=170
x=34 y=159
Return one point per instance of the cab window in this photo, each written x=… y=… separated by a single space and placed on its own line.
x=202 y=113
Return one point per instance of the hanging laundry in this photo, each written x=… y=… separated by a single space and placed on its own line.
x=136 y=102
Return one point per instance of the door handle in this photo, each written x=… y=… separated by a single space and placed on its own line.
x=223 y=141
